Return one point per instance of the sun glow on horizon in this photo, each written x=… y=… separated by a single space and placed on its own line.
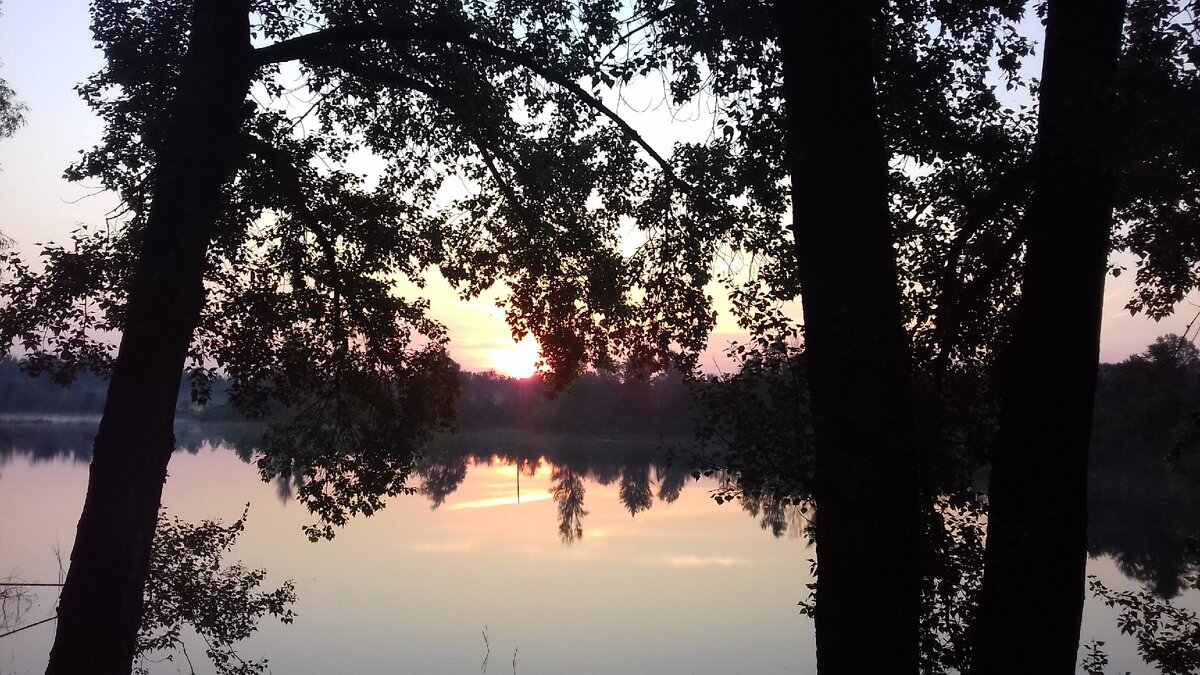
x=519 y=360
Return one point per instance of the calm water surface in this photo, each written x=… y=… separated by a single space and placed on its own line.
x=684 y=587
x=681 y=586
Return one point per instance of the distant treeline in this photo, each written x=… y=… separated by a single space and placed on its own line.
x=595 y=402
x=1144 y=490
x=22 y=394
x=1144 y=495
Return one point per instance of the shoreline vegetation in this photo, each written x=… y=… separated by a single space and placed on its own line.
x=1144 y=459
x=595 y=403
x=1144 y=476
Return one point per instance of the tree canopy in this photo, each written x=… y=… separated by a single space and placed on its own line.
x=503 y=163
x=501 y=166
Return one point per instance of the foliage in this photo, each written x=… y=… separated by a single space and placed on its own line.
x=189 y=586
x=11 y=115
x=22 y=394
x=942 y=118
x=594 y=402
x=303 y=306
x=1149 y=401
x=959 y=149
x=754 y=425
x=304 y=263
x=11 y=111
x=953 y=577
x=357 y=444
x=1168 y=637
x=958 y=108
x=1159 y=197
x=1095 y=660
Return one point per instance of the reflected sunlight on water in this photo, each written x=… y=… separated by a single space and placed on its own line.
x=683 y=587
x=658 y=577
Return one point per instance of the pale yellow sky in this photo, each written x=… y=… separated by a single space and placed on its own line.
x=46 y=49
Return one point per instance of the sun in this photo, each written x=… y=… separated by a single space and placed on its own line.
x=518 y=360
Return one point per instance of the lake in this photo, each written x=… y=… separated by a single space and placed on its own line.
x=473 y=576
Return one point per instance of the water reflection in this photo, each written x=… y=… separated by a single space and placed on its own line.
x=1145 y=513
x=635 y=489
x=441 y=477
x=45 y=438
x=44 y=442
x=416 y=586
x=568 y=491
x=635 y=464
x=778 y=516
x=1147 y=518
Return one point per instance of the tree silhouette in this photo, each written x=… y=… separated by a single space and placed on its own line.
x=965 y=194
x=12 y=114
x=1037 y=498
x=239 y=250
x=188 y=584
x=243 y=250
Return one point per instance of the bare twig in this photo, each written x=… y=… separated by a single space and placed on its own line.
x=483 y=666
x=38 y=623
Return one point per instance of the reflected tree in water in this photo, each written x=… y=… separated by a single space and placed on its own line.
x=780 y=516
x=441 y=478
x=568 y=491
x=671 y=480
x=1144 y=497
x=528 y=466
x=635 y=493
x=355 y=444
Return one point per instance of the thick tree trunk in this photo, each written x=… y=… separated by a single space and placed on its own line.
x=868 y=525
x=101 y=605
x=1033 y=585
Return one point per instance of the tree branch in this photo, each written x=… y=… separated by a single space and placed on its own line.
x=471 y=125
x=1004 y=190
x=289 y=177
x=310 y=48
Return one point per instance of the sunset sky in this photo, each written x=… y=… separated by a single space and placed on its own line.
x=46 y=48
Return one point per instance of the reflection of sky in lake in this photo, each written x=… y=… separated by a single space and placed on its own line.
x=683 y=587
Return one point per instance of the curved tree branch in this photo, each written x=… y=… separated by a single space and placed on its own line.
x=312 y=48
x=470 y=122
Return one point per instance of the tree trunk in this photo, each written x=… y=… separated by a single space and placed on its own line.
x=101 y=605
x=1033 y=585
x=868 y=525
